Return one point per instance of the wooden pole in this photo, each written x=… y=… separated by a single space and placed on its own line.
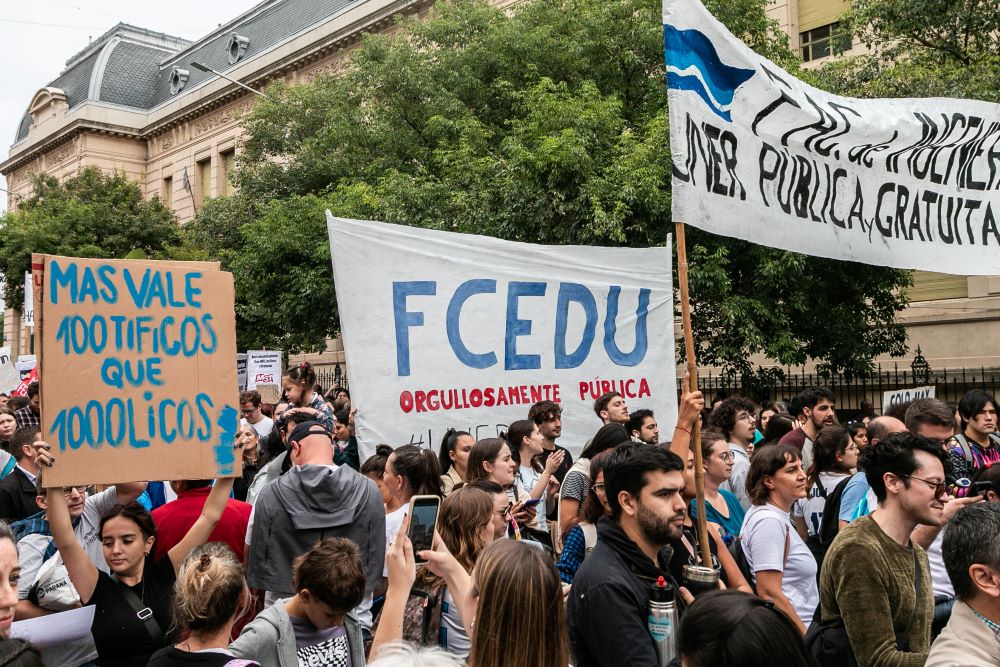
x=692 y=365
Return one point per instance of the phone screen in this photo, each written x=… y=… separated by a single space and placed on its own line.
x=423 y=520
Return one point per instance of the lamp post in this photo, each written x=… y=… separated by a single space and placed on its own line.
x=921 y=369
x=205 y=68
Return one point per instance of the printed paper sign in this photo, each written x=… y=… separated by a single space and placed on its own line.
x=263 y=367
x=10 y=379
x=761 y=156
x=138 y=360
x=453 y=330
x=241 y=371
x=891 y=398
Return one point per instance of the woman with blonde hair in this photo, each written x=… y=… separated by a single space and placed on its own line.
x=210 y=595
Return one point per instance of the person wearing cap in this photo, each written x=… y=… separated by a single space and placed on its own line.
x=314 y=500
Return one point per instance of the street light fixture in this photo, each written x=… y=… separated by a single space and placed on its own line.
x=921 y=369
x=206 y=68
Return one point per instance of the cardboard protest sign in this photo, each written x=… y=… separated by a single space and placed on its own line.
x=454 y=330
x=761 y=156
x=137 y=361
x=9 y=377
x=891 y=398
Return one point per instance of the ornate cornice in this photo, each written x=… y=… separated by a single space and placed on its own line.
x=294 y=62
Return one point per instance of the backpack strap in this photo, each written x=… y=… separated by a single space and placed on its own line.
x=963 y=442
x=142 y=612
x=819 y=485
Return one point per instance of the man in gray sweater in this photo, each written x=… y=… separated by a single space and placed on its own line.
x=314 y=500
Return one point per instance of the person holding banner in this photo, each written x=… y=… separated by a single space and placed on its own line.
x=134 y=603
x=298 y=384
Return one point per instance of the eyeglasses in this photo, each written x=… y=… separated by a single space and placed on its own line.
x=726 y=456
x=68 y=490
x=247 y=411
x=939 y=487
x=598 y=488
x=505 y=512
x=745 y=417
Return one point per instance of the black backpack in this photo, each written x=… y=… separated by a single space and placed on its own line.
x=830 y=525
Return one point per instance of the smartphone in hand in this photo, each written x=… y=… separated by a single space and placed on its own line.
x=423 y=522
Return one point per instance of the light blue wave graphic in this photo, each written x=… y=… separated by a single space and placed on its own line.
x=693 y=64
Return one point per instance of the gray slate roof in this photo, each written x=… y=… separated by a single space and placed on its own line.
x=137 y=74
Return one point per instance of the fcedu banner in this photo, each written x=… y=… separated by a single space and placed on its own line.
x=453 y=330
x=761 y=156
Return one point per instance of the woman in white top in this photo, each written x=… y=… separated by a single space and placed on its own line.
x=409 y=471
x=525 y=445
x=834 y=457
x=783 y=567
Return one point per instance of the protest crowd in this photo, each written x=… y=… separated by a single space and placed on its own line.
x=872 y=543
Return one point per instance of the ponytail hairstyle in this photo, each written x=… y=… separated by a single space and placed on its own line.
x=375 y=464
x=304 y=375
x=516 y=433
x=420 y=468
x=209 y=590
x=448 y=444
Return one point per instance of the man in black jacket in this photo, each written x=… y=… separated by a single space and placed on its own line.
x=609 y=601
x=17 y=490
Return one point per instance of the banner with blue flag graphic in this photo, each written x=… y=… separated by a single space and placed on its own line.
x=762 y=156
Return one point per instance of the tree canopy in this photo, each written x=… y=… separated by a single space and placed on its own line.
x=547 y=123
x=91 y=214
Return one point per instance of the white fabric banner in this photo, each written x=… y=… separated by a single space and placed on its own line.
x=28 y=316
x=761 y=156
x=453 y=330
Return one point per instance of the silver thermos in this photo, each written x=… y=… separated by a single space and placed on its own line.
x=662 y=621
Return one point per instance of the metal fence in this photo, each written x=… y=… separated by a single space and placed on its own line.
x=950 y=385
x=332 y=376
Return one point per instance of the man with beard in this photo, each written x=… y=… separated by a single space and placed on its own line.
x=816 y=406
x=609 y=601
x=875 y=579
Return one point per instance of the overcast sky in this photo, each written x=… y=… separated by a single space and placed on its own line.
x=37 y=37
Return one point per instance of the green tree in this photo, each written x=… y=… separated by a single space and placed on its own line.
x=546 y=124
x=91 y=214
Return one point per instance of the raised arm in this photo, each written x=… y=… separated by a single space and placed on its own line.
x=688 y=414
x=128 y=492
x=215 y=505
x=81 y=571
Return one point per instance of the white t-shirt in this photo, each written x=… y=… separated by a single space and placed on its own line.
x=528 y=478
x=940 y=581
x=737 y=484
x=32 y=547
x=811 y=508
x=453 y=637
x=263 y=427
x=765 y=529
x=393 y=521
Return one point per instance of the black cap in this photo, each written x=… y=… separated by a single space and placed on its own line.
x=305 y=429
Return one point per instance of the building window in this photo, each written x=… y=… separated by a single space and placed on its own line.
x=826 y=40
x=228 y=161
x=204 y=172
x=167 y=192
